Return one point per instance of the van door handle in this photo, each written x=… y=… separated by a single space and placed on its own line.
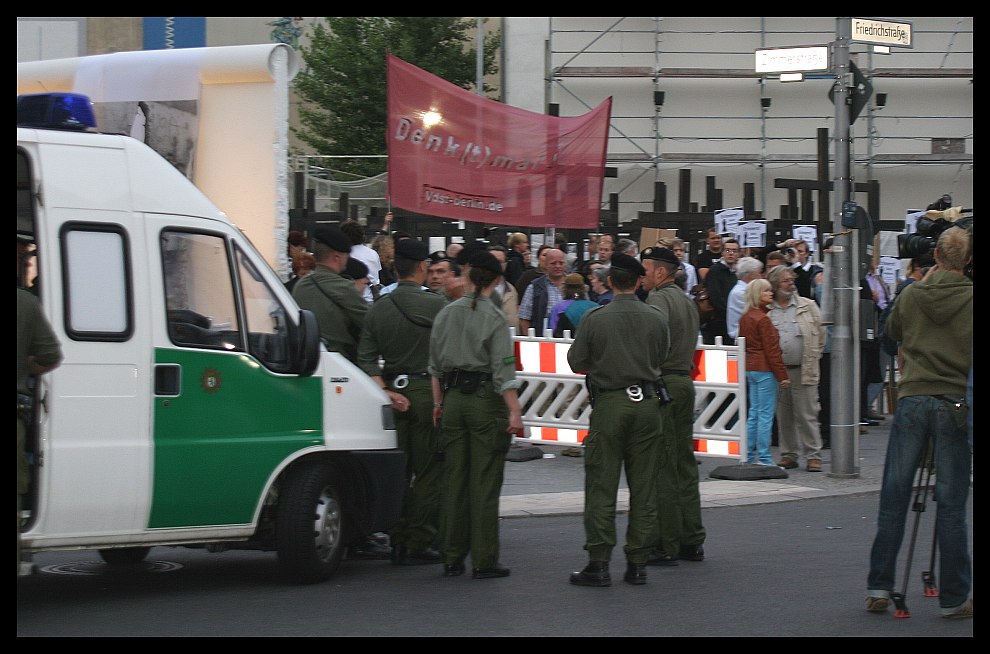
x=167 y=379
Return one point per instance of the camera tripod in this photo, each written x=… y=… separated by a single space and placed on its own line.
x=925 y=471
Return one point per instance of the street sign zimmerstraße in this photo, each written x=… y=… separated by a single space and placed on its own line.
x=784 y=60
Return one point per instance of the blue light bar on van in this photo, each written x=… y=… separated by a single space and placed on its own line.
x=65 y=111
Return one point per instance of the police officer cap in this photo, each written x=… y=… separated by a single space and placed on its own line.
x=332 y=237
x=659 y=254
x=356 y=269
x=486 y=261
x=412 y=248
x=469 y=250
x=627 y=263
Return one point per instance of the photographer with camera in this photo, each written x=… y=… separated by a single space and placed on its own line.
x=806 y=273
x=933 y=320
x=939 y=216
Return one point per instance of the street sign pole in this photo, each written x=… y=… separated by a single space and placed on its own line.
x=844 y=384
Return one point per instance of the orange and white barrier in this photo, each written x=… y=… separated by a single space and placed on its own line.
x=556 y=407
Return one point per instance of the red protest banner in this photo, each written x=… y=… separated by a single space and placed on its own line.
x=455 y=154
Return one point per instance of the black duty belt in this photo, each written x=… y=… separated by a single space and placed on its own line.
x=636 y=392
x=639 y=389
x=466 y=381
x=400 y=380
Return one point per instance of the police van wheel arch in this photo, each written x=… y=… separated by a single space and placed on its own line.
x=310 y=528
x=124 y=555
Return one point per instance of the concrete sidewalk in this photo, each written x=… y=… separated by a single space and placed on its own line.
x=554 y=484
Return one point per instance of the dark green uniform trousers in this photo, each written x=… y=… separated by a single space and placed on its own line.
x=23 y=477
x=622 y=433
x=679 y=498
x=474 y=444
x=419 y=439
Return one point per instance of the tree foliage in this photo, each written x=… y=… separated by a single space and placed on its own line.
x=343 y=86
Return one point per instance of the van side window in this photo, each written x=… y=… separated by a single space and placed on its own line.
x=267 y=325
x=202 y=302
x=199 y=291
x=97 y=282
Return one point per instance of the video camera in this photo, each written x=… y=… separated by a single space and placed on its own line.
x=939 y=216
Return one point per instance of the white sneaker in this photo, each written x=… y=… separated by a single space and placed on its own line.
x=961 y=612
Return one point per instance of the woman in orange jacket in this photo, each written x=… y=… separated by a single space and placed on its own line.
x=764 y=369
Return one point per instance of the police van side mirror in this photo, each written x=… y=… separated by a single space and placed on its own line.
x=305 y=344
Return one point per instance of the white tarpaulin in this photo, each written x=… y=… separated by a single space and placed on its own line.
x=241 y=144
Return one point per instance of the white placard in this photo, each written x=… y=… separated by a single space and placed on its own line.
x=752 y=234
x=726 y=220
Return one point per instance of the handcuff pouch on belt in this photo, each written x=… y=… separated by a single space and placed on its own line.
x=635 y=392
x=398 y=382
x=466 y=381
x=662 y=393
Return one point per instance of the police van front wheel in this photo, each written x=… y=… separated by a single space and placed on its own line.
x=310 y=526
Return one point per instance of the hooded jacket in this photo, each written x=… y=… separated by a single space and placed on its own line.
x=933 y=320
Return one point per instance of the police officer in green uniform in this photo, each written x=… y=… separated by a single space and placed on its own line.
x=340 y=311
x=620 y=347
x=338 y=306
x=477 y=408
x=38 y=351
x=397 y=330
x=678 y=498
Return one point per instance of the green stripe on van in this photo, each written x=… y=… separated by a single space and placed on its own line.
x=217 y=442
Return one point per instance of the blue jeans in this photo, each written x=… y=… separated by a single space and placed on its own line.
x=969 y=413
x=917 y=419
x=762 y=390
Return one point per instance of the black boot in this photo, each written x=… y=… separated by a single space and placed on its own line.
x=494 y=572
x=594 y=574
x=453 y=569
x=402 y=555
x=659 y=557
x=635 y=574
x=372 y=548
x=692 y=553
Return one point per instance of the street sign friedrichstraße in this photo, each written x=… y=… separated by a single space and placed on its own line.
x=881 y=32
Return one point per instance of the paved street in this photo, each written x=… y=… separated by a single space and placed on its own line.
x=783 y=558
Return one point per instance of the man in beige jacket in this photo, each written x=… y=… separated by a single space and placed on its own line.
x=802 y=337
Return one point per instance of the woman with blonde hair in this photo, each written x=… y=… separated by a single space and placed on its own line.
x=384 y=245
x=517 y=247
x=764 y=369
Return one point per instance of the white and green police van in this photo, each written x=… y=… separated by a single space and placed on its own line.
x=195 y=405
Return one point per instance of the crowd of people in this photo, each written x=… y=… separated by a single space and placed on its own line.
x=433 y=330
x=548 y=295
x=436 y=339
